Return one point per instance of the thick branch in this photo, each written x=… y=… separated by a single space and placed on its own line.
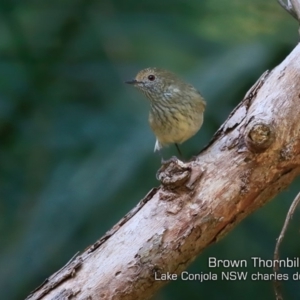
x=254 y=155
x=292 y=7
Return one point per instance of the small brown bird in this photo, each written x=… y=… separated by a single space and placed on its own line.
x=177 y=108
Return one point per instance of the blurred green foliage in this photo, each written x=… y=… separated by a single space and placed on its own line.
x=76 y=149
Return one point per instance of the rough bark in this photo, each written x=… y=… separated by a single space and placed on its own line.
x=253 y=156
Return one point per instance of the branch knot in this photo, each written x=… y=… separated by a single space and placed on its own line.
x=259 y=136
x=174 y=173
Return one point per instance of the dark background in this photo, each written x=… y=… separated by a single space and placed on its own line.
x=76 y=150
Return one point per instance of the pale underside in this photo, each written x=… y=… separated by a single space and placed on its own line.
x=176 y=127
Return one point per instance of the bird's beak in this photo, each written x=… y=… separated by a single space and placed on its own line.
x=133 y=81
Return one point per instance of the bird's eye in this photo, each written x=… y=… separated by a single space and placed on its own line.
x=151 y=77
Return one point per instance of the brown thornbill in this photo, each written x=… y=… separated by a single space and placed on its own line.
x=177 y=108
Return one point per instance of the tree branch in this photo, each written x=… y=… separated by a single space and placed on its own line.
x=254 y=155
x=277 y=283
x=292 y=7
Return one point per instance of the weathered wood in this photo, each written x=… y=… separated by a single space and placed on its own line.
x=254 y=155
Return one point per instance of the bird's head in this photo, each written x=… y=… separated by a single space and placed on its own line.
x=154 y=82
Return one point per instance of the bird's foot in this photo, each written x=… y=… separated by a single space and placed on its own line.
x=173 y=159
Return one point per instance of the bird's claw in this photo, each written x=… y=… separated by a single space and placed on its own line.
x=173 y=159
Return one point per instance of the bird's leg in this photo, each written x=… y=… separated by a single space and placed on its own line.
x=165 y=162
x=173 y=158
x=161 y=156
x=168 y=161
x=158 y=148
x=179 y=152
